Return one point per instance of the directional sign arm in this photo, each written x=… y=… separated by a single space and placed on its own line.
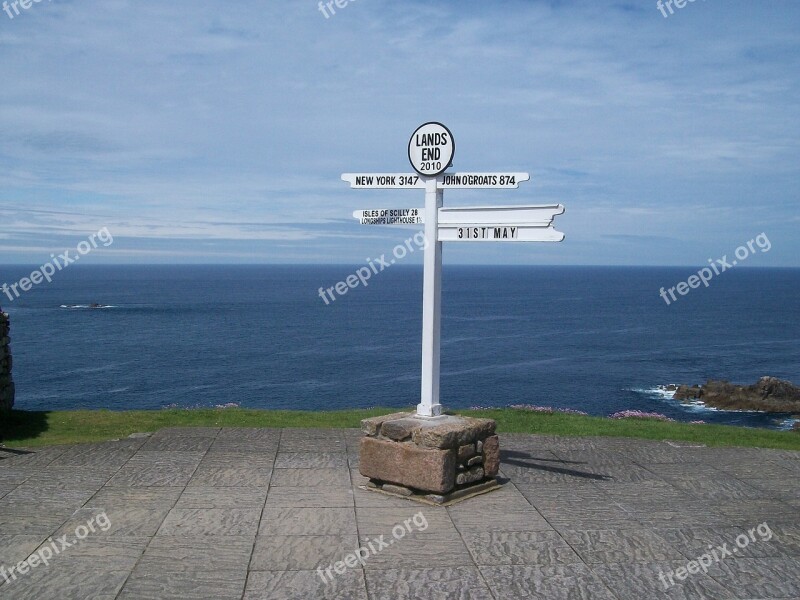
x=462 y=181
x=384 y=181
x=499 y=224
x=390 y=216
x=535 y=216
x=498 y=233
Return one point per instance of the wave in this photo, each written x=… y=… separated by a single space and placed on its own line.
x=87 y=306
x=487 y=318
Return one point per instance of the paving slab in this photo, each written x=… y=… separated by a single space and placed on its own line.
x=538 y=548
x=311 y=460
x=235 y=476
x=310 y=497
x=426 y=583
x=14 y=548
x=759 y=577
x=417 y=552
x=74 y=579
x=308 y=521
x=326 y=478
x=155 y=583
x=620 y=546
x=304 y=585
x=177 y=553
x=300 y=552
x=222 y=497
x=650 y=580
x=572 y=582
x=124 y=520
x=247 y=513
x=216 y=522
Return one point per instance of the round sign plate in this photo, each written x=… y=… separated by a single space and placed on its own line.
x=431 y=149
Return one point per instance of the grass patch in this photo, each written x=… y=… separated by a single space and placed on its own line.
x=33 y=429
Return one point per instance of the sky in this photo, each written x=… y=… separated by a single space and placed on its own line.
x=200 y=132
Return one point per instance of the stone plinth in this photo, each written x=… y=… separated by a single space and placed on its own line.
x=437 y=460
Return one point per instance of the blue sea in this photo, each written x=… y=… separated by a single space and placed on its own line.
x=598 y=340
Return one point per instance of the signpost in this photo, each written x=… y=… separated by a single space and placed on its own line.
x=431 y=150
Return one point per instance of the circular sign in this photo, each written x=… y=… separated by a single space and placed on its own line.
x=431 y=149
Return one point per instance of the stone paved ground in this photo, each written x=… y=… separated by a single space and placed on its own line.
x=219 y=514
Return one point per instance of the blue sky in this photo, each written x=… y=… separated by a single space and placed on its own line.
x=202 y=132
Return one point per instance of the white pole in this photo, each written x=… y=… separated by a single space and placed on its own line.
x=431 y=303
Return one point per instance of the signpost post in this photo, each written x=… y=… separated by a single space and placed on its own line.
x=429 y=456
x=431 y=150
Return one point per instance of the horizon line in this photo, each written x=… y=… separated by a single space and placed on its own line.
x=289 y=264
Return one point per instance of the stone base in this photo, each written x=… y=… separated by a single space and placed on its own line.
x=407 y=455
x=453 y=497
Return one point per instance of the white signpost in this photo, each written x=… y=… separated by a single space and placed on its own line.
x=431 y=150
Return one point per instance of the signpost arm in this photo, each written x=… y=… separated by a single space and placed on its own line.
x=431 y=303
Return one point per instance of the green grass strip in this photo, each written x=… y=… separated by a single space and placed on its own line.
x=34 y=429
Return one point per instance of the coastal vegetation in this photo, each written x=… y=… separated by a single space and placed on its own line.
x=34 y=429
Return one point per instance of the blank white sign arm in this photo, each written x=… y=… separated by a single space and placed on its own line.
x=534 y=216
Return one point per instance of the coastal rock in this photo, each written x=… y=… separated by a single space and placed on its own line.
x=7 y=389
x=688 y=392
x=768 y=394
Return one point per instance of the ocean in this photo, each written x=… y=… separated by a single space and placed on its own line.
x=596 y=339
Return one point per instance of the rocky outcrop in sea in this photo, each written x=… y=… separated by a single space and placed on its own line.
x=768 y=394
x=6 y=383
